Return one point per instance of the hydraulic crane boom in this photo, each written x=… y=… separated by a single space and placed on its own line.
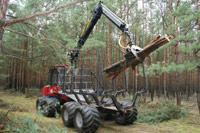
x=97 y=12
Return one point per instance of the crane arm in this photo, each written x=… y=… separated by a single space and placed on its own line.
x=97 y=12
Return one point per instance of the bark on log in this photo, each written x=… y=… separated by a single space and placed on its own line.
x=120 y=66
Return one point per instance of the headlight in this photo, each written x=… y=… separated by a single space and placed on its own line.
x=60 y=92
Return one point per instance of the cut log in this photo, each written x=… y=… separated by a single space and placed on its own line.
x=132 y=61
x=155 y=39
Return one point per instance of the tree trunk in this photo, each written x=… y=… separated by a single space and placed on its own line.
x=16 y=73
x=198 y=99
x=152 y=60
x=136 y=40
x=3 y=10
x=128 y=73
x=143 y=38
x=198 y=91
x=25 y=63
x=11 y=74
x=118 y=81
x=109 y=50
x=177 y=76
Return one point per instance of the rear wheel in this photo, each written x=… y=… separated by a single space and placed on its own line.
x=126 y=118
x=86 y=118
x=68 y=113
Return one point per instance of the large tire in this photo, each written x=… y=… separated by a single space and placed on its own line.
x=39 y=102
x=126 y=118
x=86 y=118
x=50 y=107
x=68 y=113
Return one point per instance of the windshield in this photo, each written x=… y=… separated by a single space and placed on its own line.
x=54 y=77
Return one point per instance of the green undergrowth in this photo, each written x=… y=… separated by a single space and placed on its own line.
x=26 y=124
x=31 y=92
x=159 y=112
x=23 y=124
x=15 y=119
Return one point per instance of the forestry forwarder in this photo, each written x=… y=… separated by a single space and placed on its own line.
x=82 y=108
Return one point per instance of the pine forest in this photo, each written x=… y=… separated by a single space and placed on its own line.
x=38 y=34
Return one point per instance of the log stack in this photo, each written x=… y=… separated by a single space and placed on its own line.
x=132 y=61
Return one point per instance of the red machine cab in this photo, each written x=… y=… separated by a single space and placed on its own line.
x=56 y=83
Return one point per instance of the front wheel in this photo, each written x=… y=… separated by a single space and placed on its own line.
x=48 y=106
x=39 y=103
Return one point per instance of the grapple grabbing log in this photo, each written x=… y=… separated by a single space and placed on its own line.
x=132 y=61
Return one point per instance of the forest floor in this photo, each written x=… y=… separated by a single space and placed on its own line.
x=20 y=106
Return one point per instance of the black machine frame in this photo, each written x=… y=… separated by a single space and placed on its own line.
x=101 y=93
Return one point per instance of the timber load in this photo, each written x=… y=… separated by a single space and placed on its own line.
x=133 y=61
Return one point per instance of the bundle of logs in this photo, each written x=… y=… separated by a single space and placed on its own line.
x=132 y=61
